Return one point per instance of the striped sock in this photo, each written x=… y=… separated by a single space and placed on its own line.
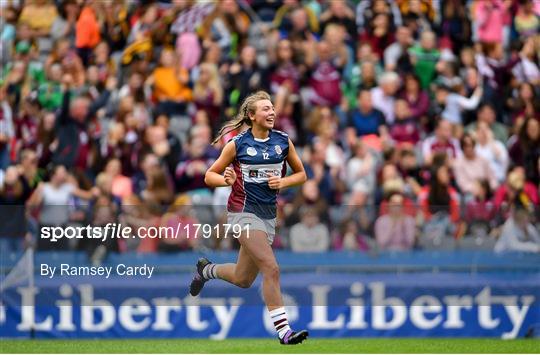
x=279 y=318
x=210 y=271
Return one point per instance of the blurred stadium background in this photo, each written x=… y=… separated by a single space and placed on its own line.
x=417 y=122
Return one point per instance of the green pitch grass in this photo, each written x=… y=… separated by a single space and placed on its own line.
x=268 y=346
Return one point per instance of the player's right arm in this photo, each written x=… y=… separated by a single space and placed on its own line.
x=214 y=177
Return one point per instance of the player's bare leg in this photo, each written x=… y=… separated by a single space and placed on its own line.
x=255 y=255
x=256 y=245
x=241 y=274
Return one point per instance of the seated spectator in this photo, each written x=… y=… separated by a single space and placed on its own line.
x=7 y=131
x=455 y=103
x=366 y=11
x=424 y=57
x=50 y=91
x=492 y=150
x=147 y=163
x=411 y=171
x=66 y=56
x=138 y=214
x=396 y=186
x=159 y=141
x=120 y=184
x=14 y=191
x=172 y=155
x=447 y=71
x=8 y=33
x=104 y=211
x=324 y=82
x=365 y=120
x=159 y=190
x=29 y=170
x=525 y=151
x=114 y=145
x=203 y=132
x=104 y=184
x=360 y=175
x=470 y=167
x=527 y=70
x=379 y=33
x=284 y=105
x=518 y=233
x=225 y=22
x=394 y=52
x=439 y=202
x=170 y=87
x=468 y=83
x=310 y=235
x=363 y=76
x=138 y=51
x=514 y=185
x=368 y=72
x=87 y=30
x=105 y=65
x=53 y=199
x=490 y=18
x=342 y=56
x=39 y=15
x=339 y=12
x=308 y=196
x=295 y=20
x=208 y=92
x=486 y=113
x=190 y=170
x=64 y=24
x=395 y=230
x=524 y=103
x=416 y=98
x=46 y=135
x=405 y=130
x=350 y=238
x=441 y=142
x=384 y=95
x=455 y=26
x=133 y=87
x=330 y=185
x=284 y=71
x=480 y=210
x=180 y=215
x=26 y=124
x=526 y=21
x=244 y=76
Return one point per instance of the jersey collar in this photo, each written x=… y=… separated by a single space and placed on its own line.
x=259 y=139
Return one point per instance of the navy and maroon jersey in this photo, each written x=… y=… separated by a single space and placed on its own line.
x=257 y=160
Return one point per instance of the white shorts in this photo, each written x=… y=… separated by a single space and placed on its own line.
x=267 y=226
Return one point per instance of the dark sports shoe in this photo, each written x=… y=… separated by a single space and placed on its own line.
x=198 y=281
x=293 y=338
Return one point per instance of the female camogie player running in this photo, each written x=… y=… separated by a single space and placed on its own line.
x=258 y=157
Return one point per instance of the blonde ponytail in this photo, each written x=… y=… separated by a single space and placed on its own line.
x=248 y=106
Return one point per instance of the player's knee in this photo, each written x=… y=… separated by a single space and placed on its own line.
x=271 y=271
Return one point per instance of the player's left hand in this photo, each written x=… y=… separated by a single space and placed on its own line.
x=275 y=182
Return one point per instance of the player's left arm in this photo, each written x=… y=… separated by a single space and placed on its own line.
x=296 y=178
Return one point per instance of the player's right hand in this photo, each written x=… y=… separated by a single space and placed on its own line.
x=230 y=176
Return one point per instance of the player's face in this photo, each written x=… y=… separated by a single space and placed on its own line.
x=265 y=115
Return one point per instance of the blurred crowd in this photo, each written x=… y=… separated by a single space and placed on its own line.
x=418 y=121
